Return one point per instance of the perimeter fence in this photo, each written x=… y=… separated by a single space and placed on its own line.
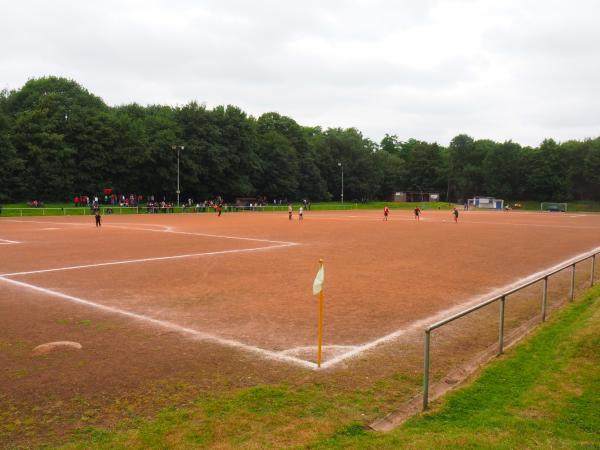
x=501 y=299
x=121 y=210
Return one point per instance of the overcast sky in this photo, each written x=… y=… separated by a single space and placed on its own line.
x=505 y=69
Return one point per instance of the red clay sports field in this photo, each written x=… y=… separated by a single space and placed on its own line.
x=243 y=280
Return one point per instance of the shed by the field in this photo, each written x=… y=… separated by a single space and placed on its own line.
x=416 y=196
x=486 y=202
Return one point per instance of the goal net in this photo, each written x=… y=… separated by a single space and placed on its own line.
x=553 y=207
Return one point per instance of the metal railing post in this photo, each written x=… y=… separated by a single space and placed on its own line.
x=593 y=270
x=426 y=370
x=501 y=330
x=572 y=282
x=545 y=299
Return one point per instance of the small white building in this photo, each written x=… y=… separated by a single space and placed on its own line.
x=486 y=202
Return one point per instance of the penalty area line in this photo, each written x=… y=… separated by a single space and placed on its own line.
x=165 y=229
x=190 y=233
x=144 y=260
x=8 y=242
x=189 y=332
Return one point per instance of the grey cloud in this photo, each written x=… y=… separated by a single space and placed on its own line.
x=430 y=70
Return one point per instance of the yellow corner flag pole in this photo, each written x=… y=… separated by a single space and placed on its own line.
x=320 y=328
x=318 y=288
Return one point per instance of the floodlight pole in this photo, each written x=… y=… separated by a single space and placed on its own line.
x=178 y=148
x=342 y=167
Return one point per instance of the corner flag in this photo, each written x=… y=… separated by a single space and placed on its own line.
x=319 y=279
x=318 y=289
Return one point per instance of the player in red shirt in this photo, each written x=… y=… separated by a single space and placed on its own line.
x=417 y=213
x=386 y=213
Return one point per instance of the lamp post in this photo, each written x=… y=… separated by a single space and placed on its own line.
x=178 y=148
x=342 y=167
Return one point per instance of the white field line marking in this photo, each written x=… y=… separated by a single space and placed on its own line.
x=165 y=229
x=359 y=349
x=195 y=334
x=7 y=242
x=295 y=350
x=190 y=233
x=143 y=260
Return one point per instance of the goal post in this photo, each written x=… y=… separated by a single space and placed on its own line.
x=553 y=207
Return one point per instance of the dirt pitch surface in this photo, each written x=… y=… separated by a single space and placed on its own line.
x=180 y=292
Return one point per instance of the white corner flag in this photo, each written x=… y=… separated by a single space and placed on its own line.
x=319 y=280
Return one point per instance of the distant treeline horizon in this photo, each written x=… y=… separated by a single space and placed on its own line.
x=58 y=140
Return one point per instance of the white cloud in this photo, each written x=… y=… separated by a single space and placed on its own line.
x=521 y=70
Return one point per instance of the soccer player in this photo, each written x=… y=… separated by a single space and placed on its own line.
x=300 y=212
x=98 y=217
x=290 y=211
x=455 y=214
x=386 y=213
x=417 y=213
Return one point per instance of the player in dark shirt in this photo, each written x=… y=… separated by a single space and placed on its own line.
x=455 y=214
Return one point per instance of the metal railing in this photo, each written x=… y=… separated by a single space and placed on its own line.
x=502 y=299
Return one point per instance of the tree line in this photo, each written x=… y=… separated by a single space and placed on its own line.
x=58 y=140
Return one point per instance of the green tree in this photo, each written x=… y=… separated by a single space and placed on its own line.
x=392 y=171
x=278 y=177
x=391 y=144
x=465 y=166
x=11 y=166
x=425 y=165
x=362 y=180
x=503 y=168
x=547 y=173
